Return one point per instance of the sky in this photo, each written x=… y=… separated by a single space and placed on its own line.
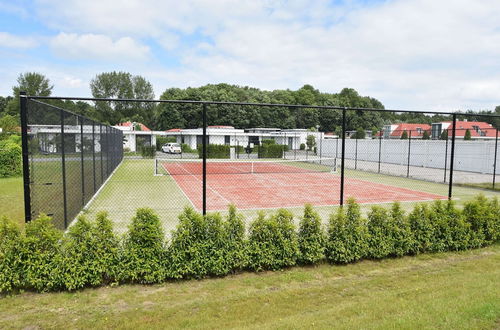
x=409 y=54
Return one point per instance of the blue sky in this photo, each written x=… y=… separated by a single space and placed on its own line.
x=413 y=54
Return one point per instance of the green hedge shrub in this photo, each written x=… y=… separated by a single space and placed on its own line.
x=380 y=240
x=451 y=232
x=143 y=253
x=215 y=151
x=270 y=151
x=401 y=234
x=235 y=228
x=148 y=151
x=41 y=256
x=422 y=228
x=161 y=140
x=10 y=158
x=186 y=148
x=302 y=146
x=10 y=257
x=483 y=216
x=311 y=237
x=347 y=235
x=272 y=242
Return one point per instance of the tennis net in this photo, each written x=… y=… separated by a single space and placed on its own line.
x=239 y=166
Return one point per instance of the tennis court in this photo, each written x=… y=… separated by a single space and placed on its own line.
x=277 y=183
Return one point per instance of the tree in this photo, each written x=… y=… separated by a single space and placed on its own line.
x=8 y=123
x=467 y=136
x=3 y=103
x=360 y=134
x=444 y=135
x=32 y=83
x=311 y=142
x=426 y=135
x=122 y=85
x=404 y=136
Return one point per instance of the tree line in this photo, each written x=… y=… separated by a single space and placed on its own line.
x=164 y=116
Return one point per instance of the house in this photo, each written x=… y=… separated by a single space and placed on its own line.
x=395 y=131
x=477 y=129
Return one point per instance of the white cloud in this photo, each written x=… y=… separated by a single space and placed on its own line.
x=8 y=40
x=94 y=47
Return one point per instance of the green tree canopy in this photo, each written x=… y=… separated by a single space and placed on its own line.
x=426 y=135
x=404 y=135
x=32 y=83
x=360 y=134
x=444 y=135
x=467 y=135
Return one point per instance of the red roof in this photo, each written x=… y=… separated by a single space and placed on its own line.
x=416 y=129
x=173 y=130
x=220 y=126
x=129 y=124
x=476 y=128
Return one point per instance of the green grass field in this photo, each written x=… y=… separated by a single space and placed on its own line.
x=11 y=199
x=445 y=291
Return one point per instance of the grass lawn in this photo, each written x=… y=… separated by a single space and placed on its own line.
x=11 y=198
x=448 y=290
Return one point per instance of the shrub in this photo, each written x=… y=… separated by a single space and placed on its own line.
x=302 y=146
x=143 y=252
x=41 y=255
x=10 y=261
x=422 y=228
x=215 y=151
x=161 y=140
x=270 y=151
x=273 y=242
x=311 y=237
x=347 y=235
x=451 y=232
x=268 y=141
x=186 y=148
x=380 y=243
x=402 y=236
x=10 y=158
x=483 y=216
x=148 y=151
x=235 y=228
x=90 y=253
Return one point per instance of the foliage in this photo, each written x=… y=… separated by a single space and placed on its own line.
x=311 y=237
x=401 y=234
x=467 y=136
x=34 y=84
x=272 y=242
x=347 y=235
x=422 y=228
x=404 y=135
x=9 y=123
x=10 y=261
x=187 y=148
x=161 y=140
x=302 y=146
x=270 y=151
x=380 y=240
x=360 y=134
x=215 y=151
x=426 y=135
x=41 y=255
x=444 y=135
x=451 y=231
x=483 y=216
x=10 y=158
x=148 y=151
x=310 y=141
x=143 y=252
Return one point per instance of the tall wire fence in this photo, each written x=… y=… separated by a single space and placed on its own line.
x=74 y=164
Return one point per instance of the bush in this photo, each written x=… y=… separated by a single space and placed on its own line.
x=302 y=146
x=422 y=228
x=148 y=151
x=235 y=228
x=10 y=261
x=401 y=234
x=143 y=253
x=215 y=151
x=10 y=158
x=186 y=148
x=311 y=237
x=483 y=216
x=161 y=140
x=270 y=151
x=347 y=235
x=90 y=253
x=273 y=242
x=380 y=242
x=451 y=232
x=41 y=255
x=268 y=141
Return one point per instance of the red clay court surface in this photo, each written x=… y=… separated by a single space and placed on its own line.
x=293 y=187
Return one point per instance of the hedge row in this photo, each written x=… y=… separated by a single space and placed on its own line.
x=215 y=151
x=89 y=254
x=10 y=157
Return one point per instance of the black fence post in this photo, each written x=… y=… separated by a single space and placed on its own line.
x=93 y=154
x=80 y=119
x=204 y=150
x=25 y=146
x=342 y=163
x=495 y=160
x=452 y=157
x=409 y=156
x=101 y=139
x=379 y=151
x=63 y=160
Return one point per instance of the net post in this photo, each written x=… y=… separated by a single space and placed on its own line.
x=495 y=160
x=26 y=170
x=380 y=150
x=204 y=150
x=409 y=156
x=342 y=164
x=63 y=160
x=80 y=119
x=452 y=157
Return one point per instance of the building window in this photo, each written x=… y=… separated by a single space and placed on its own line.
x=227 y=139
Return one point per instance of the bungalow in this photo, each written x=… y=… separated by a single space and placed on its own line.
x=395 y=131
x=477 y=129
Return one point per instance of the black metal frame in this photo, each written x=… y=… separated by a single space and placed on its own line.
x=104 y=172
